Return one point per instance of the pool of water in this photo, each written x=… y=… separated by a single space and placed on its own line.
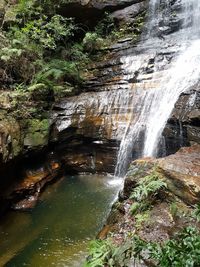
x=57 y=232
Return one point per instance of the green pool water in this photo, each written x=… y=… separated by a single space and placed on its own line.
x=57 y=232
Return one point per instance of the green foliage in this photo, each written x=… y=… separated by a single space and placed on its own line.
x=181 y=251
x=173 y=209
x=76 y=53
x=92 y=42
x=58 y=71
x=184 y=250
x=134 y=207
x=139 y=207
x=26 y=57
x=8 y=53
x=47 y=34
x=148 y=186
x=18 y=66
x=105 y=26
x=39 y=35
x=100 y=253
x=141 y=218
x=25 y=9
x=105 y=253
x=196 y=212
x=143 y=193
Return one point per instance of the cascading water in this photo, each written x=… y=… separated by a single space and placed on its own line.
x=156 y=103
x=182 y=76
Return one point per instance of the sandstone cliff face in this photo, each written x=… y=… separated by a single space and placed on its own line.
x=27 y=122
x=98 y=116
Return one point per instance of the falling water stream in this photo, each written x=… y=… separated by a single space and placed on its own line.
x=157 y=103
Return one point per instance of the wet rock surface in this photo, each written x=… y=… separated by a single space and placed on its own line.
x=183 y=172
x=183 y=127
x=171 y=208
x=86 y=115
x=24 y=191
x=24 y=124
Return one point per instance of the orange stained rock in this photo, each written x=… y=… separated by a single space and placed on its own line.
x=55 y=165
x=31 y=178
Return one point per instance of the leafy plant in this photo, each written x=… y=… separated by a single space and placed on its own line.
x=173 y=208
x=105 y=26
x=143 y=194
x=58 y=71
x=100 y=253
x=46 y=33
x=181 y=251
x=92 y=42
x=105 y=253
x=8 y=53
x=149 y=185
x=139 y=207
x=184 y=250
x=141 y=218
x=196 y=212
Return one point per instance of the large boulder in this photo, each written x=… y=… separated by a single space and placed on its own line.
x=91 y=11
x=105 y=5
x=128 y=14
x=182 y=171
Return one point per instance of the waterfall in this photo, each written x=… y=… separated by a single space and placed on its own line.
x=182 y=76
x=156 y=103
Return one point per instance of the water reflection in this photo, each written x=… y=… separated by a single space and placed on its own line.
x=57 y=231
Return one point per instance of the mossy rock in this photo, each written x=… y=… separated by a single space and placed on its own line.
x=37 y=133
x=10 y=137
x=41 y=91
x=63 y=91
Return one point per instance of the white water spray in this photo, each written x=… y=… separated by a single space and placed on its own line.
x=184 y=74
x=157 y=103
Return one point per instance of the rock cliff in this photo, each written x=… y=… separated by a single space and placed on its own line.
x=84 y=131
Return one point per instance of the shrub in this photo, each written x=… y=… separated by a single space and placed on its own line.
x=105 y=26
x=184 y=250
x=47 y=34
x=181 y=251
x=92 y=42
x=100 y=253
x=58 y=71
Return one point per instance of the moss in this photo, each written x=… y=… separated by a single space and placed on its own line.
x=38 y=125
x=10 y=136
x=36 y=87
x=37 y=132
x=63 y=91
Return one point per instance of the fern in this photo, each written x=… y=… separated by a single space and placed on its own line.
x=147 y=186
x=196 y=212
x=57 y=70
x=100 y=252
x=139 y=207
